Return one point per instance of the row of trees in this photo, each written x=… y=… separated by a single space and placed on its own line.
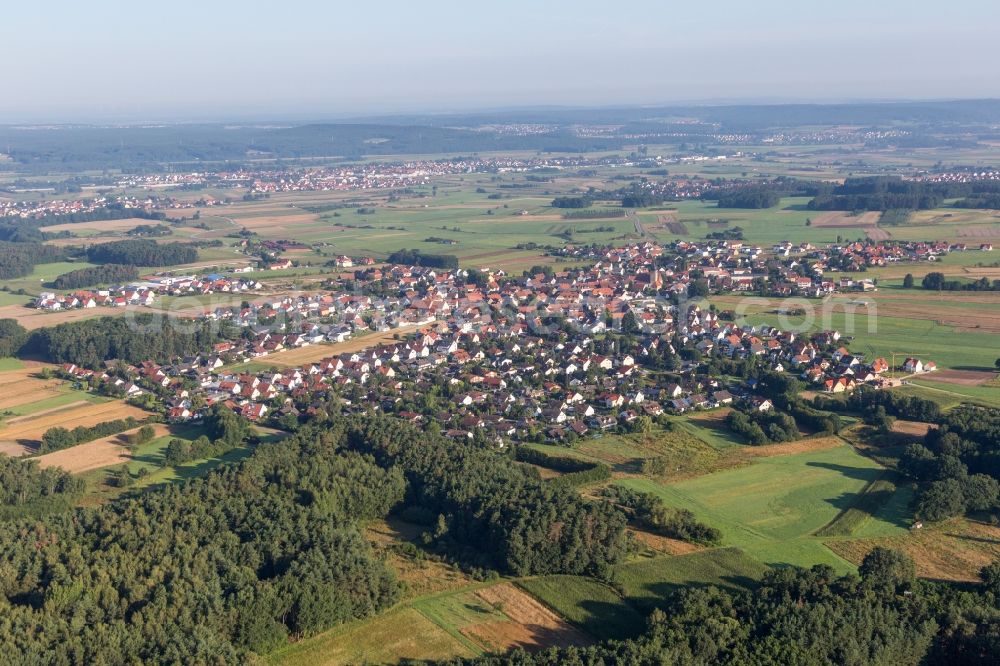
x=936 y=281
x=58 y=438
x=649 y=512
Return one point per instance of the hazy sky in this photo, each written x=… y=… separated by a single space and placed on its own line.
x=181 y=59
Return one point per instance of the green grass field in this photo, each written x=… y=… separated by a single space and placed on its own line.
x=881 y=335
x=34 y=283
x=720 y=437
x=403 y=633
x=589 y=604
x=772 y=508
x=647 y=582
x=7 y=364
x=949 y=395
x=684 y=452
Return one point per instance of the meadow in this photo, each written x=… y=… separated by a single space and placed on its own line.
x=772 y=508
x=876 y=332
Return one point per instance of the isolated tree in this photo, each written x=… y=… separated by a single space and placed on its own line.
x=908 y=281
x=145 y=434
x=887 y=568
x=630 y=324
x=934 y=281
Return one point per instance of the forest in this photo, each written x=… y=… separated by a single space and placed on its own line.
x=884 y=193
x=23 y=482
x=142 y=252
x=497 y=515
x=111 y=212
x=19 y=259
x=12 y=337
x=241 y=560
x=750 y=198
x=142 y=337
x=88 y=277
x=203 y=572
x=418 y=258
x=572 y=202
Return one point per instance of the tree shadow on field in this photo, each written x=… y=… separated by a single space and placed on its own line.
x=663 y=590
x=972 y=368
x=859 y=473
x=969 y=537
x=605 y=620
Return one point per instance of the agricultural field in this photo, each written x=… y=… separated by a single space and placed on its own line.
x=685 y=454
x=647 y=581
x=484 y=618
x=772 y=508
x=595 y=607
x=33 y=319
x=98 y=228
x=69 y=411
x=316 y=352
x=31 y=404
x=96 y=454
x=956 y=333
x=400 y=634
x=953 y=550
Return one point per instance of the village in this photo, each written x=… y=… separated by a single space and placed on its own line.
x=509 y=358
